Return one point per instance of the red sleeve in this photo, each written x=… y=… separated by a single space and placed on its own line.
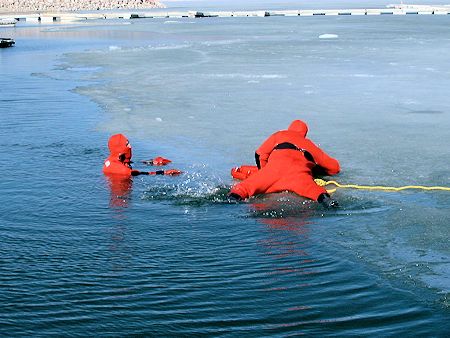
x=322 y=159
x=266 y=148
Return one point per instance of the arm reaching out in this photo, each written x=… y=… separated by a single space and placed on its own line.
x=170 y=172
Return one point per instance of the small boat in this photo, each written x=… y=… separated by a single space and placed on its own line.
x=6 y=42
x=7 y=22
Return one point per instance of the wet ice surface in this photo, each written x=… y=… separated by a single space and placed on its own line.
x=373 y=95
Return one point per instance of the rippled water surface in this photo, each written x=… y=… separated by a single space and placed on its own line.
x=169 y=256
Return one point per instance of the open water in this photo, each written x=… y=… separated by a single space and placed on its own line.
x=168 y=256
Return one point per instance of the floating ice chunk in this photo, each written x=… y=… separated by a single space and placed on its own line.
x=83 y=69
x=247 y=76
x=158 y=119
x=167 y=47
x=222 y=42
x=362 y=75
x=328 y=36
x=114 y=48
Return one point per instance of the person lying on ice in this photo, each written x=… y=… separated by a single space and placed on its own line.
x=119 y=160
x=286 y=161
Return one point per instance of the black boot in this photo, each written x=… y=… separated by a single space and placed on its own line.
x=327 y=201
x=232 y=197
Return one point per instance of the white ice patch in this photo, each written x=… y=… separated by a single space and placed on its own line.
x=410 y=102
x=222 y=42
x=168 y=22
x=328 y=36
x=83 y=69
x=113 y=48
x=363 y=75
x=247 y=76
x=158 y=119
x=168 y=47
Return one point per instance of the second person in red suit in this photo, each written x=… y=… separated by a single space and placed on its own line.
x=286 y=161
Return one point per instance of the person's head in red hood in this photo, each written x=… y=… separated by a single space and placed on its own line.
x=120 y=148
x=119 y=159
x=299 y=126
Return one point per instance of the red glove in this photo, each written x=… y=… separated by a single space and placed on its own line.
x=172 y=172
x=157 y=161
x=161 y=161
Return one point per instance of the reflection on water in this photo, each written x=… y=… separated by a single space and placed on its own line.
x=286 y=247
x=120 y=193
x=120 y=190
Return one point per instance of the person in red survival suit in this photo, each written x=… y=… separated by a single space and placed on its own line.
x=119 y=159
x=117 y=168
x=286 y=161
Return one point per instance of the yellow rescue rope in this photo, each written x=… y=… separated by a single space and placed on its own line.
x=323 y=183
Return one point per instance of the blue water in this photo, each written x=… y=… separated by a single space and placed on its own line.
x=168 y=256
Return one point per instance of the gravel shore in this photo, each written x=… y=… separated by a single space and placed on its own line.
x=20 y=6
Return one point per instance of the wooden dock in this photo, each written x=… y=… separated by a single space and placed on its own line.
x=158 y=14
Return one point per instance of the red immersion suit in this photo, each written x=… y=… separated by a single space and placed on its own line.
x=119 y=160
x=287 y=159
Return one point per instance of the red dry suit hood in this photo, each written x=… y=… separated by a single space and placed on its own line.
x=299 y=126
x=118 y=144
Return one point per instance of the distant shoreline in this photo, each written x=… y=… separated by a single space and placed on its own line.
x=12 y=7
x=49 y=16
